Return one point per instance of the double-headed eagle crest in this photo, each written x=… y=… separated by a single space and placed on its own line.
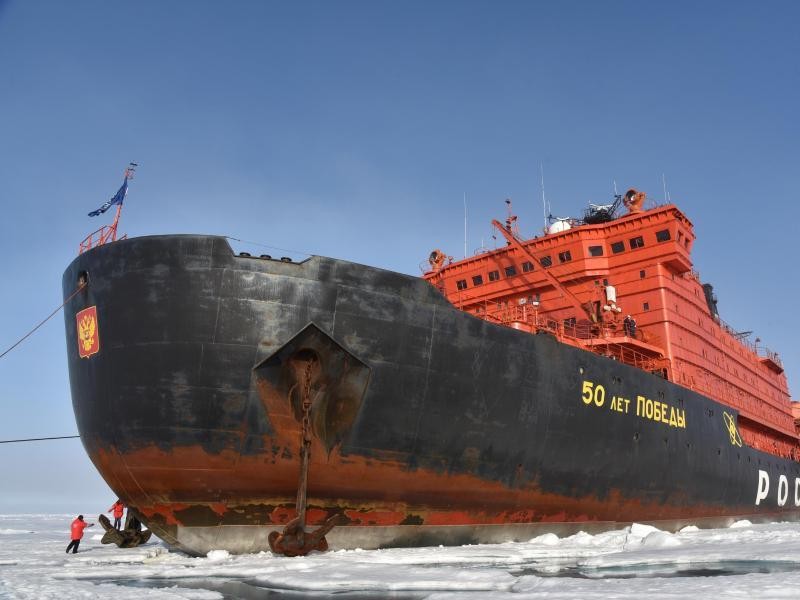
x=88 y=335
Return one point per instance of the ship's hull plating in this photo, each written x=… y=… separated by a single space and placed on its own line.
x=429 y=425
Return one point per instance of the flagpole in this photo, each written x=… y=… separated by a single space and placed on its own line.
x=129 y=172
x=114 y=224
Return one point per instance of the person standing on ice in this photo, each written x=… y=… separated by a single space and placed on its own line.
x=77 y=527
x=117 y=508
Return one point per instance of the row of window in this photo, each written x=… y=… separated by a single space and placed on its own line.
x=510 y=271
x=563 y=257
x=635 y=242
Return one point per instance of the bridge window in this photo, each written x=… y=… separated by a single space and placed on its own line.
x=596 y=250
x=511 y=271
x=461 y=284
x=494 y=275
x=527 y=266
x=477 y=280
x=663 y=235
x=637 y=242
x=617 y=247
x=565 y=256
x=546 y=261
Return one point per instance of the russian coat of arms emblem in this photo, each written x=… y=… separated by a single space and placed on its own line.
x=88 y=333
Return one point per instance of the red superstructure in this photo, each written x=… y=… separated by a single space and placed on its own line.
x=625 y=288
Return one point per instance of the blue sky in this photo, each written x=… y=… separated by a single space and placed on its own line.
x=353 y=129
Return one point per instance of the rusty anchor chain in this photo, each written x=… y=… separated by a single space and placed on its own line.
x=295 y=540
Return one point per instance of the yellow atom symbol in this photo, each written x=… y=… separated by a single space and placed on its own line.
x=736 y=439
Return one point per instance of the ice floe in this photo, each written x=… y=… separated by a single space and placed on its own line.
x=743 y=561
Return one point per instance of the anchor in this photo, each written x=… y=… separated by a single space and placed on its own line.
x=295 y=540
x=130 y=537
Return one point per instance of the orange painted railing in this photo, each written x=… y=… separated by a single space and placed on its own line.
x=754 y=347
x=104 y=235
x=589 y=336
x=107 y=233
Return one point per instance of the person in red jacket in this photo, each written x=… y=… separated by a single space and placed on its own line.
x=117 y=508
x=77 y=527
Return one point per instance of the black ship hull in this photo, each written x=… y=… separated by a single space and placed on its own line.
x=429 y=425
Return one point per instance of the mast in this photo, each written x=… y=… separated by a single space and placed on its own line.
x=465 y=224
x=513 y=241
x=544 y=203
x=130 y=171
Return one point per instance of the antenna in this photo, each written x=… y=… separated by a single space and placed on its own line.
x=664 y=182
x=616 y=193
x=511 y=220
x=465 y=224
x=544 y=202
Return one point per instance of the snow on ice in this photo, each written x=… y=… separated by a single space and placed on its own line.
x=743 y=561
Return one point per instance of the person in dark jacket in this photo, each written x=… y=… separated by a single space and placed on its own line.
x=76 y=529
x=117 y=508
x=629 y=325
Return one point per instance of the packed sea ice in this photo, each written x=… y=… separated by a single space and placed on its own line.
x=743 y=561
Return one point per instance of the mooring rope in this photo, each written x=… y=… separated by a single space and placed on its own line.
x=22 y=339
x=227 y=237
x=50 y=316
x=60 y=437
